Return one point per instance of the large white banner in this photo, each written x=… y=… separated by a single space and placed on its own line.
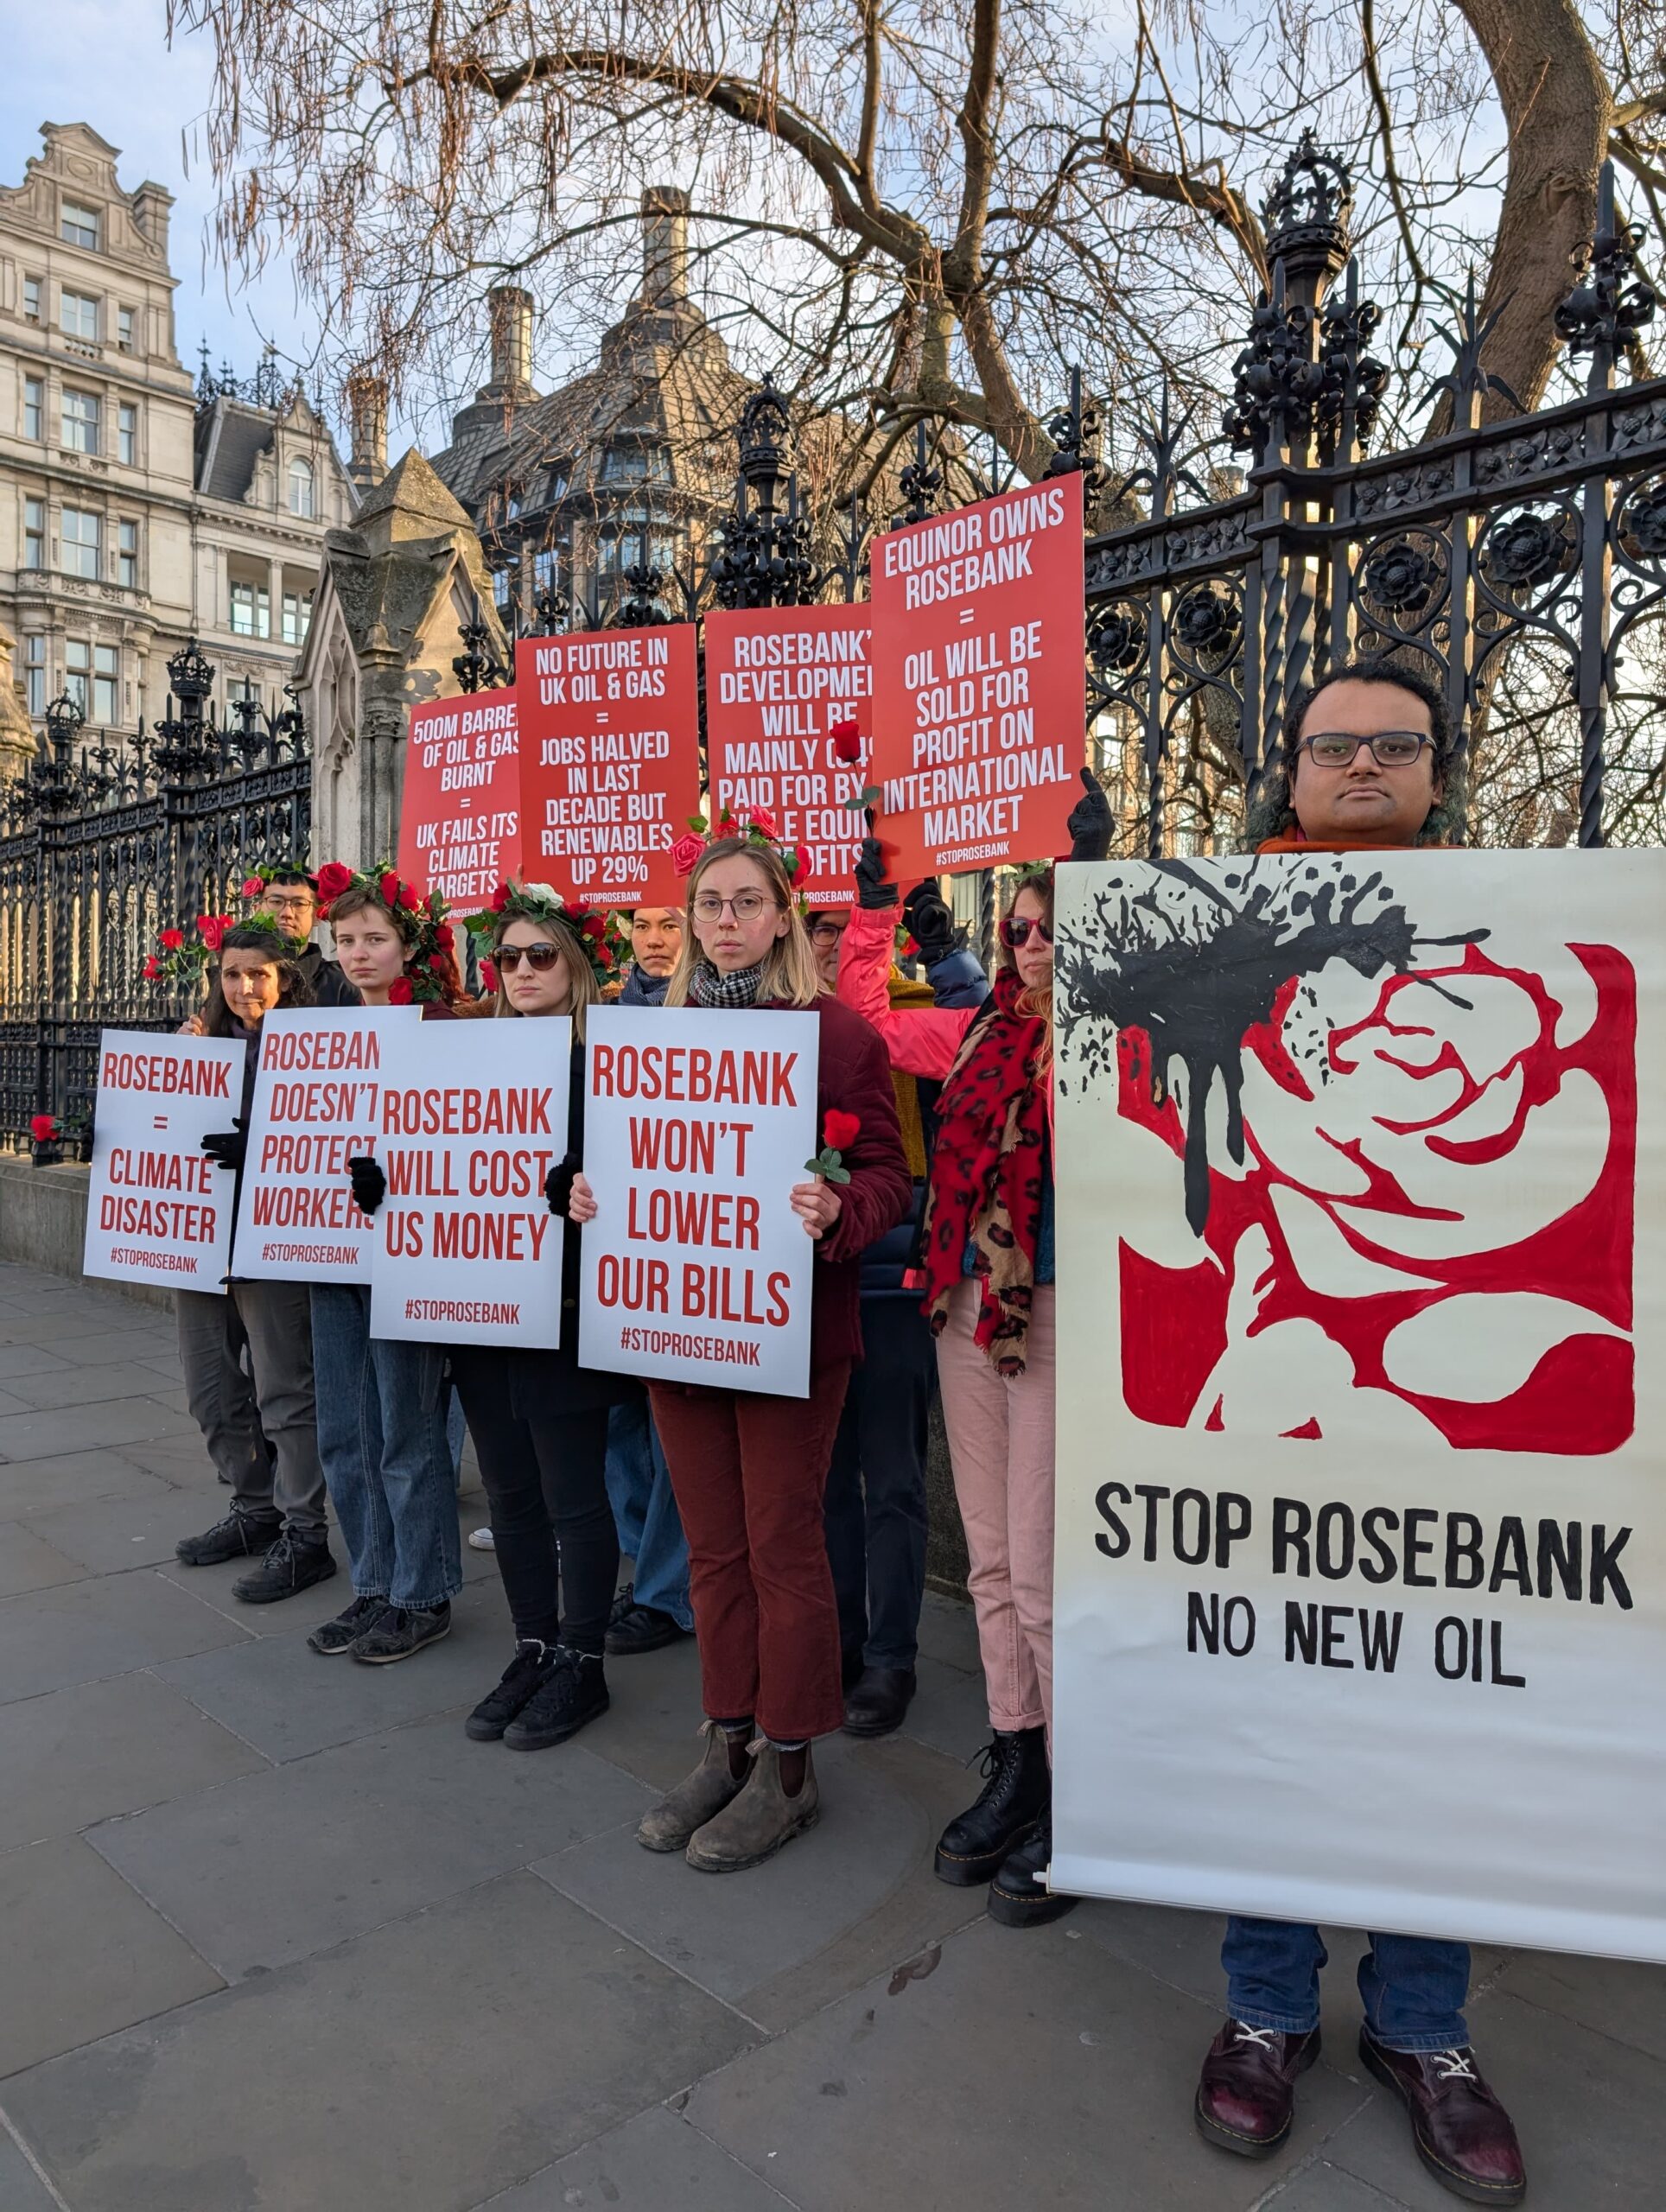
x=1360 y=1604
x=318 y=1087
x=158 y=1210
x=474 y=1116
x=696 y=1126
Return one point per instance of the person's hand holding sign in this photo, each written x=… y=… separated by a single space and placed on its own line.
x=818 y=1204
x=567 y=1191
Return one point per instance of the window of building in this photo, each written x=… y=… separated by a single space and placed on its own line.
x=503 y=591
x=77 y=673
x=298 y=617
x=634 y=463
x=127 y=555
x=242 y=686
x=34 y=673
x=34 y=533
x=78 y=315
x=80 y=541
x=81 y=421
x=125 y=329
x=127 y=433
x=31 y=299
x=106 y=684
x=301 y=487
x=34 y=407
x=80 y=226
x=251 y=611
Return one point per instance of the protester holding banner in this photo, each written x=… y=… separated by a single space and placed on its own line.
x=875 y=1515
x=381 y=1401
x=1366 y=762
x=986 y=1252
x=285 y=893
x=749 y=1468
x=269 y=1449
x=539 y=1419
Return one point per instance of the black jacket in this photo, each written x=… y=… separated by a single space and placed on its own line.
x=328 y=986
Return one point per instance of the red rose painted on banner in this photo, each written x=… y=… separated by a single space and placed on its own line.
x=685 y=853
x=170 y=940
x=254 y=887
x=1401 y=1160
x=400 y=991
x=332 y=879
x=847 y=742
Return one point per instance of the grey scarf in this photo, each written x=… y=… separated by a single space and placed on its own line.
x=708 y=987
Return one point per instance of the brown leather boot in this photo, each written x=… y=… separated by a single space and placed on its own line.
x=668 y=1825
x=759 y=1820
x=1463 y=2134
x=1247 y=2095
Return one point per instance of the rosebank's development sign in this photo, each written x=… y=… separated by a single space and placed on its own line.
x=158 y=1210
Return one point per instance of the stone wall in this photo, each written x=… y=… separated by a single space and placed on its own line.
x=43 y=1223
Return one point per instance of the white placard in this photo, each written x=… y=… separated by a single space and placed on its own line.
x=696 y=1126
x=474 y=1117
x=1360 y=1588
x=158 y=1210
x=316 y=1105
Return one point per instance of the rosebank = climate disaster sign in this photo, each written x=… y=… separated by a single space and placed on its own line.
x=1360 y=1589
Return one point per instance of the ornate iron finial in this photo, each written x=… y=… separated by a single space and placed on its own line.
x=1075 y=434
x=552 y=611
x=190 y=679
x=766 y=557
x=1354 y=379
x=763 y=434
x=477 y=668
x=1276 y=383
x=1611 y=303
x=919 y=482
x=1467 y=381
x=645 y=584
x=1307 y=211
x=267 y=389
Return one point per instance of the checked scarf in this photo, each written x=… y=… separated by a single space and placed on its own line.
x=986 y=1171
x=708 y=986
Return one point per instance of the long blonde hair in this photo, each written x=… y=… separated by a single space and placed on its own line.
x=579 y=973
x=790 y=977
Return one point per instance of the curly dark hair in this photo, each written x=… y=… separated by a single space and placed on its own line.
x=255 y=936
x=1273 y=815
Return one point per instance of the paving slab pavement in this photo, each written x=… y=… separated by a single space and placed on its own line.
x=276 y=1937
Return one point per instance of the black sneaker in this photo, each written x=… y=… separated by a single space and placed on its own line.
x=333 y=1637
x=525 y=1675
x=633 y=1628
x=240 y=1535
x=399 y=1631
x=292 y=1564
x=575 y=1692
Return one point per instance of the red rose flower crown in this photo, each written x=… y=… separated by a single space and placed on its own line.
x=542 y=903
x=430 y=965
x=178 y=959
x=755 y=825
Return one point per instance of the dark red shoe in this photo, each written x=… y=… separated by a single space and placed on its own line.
x=1248 y=2092
x=1462 y=2132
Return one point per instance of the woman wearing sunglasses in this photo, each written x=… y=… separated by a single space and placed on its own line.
x=986 y=1257
x=749 y=1468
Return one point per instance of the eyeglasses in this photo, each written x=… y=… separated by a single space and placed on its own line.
x=821 y=932
x=1017 y=929
x=1390 y=748
x=508 y=957
x=746 y=905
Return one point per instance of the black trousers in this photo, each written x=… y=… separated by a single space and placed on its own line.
x=544 y=1468
x=875 y=1505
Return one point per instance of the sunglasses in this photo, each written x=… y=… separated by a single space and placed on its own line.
x=1016 y=930
x=508 y=957
x=1390 y=748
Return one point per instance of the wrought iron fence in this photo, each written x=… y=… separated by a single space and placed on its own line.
x=104 y=846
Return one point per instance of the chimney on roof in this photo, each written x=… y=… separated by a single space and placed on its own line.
x=511 y=310
x=664 y=247
x=367 y=403
x=150 y=204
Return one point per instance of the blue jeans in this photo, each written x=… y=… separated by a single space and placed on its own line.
x=387 y=1459
x=1412 y=1987
x=650 y=1527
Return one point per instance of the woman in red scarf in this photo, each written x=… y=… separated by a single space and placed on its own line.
x=986 y=1259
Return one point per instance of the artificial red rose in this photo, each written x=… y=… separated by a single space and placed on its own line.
x=389 y=886
x=171 y=940
x=438 y=962
x=800 y=866
x=839 y=1128
x=847 y=741
x=442 y=936
x=254 y=887
x=489 y=974
x=332 y=879
x=594 y=925
x=500 y=899
x=400 y=992
x=685 y=853
x=761 y=818
x=152 y=968
x=44 y=1128
x=211 y=928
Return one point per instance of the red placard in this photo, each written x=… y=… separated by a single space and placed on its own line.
x=610 y=768
x=978 y=680
x=777 y=681
x=459 y=812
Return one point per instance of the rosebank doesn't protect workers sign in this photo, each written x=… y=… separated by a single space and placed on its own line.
x=696 y=1126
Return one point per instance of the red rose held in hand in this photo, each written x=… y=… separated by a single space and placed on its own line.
x=332 y=879
x=847 y=742
x=839 y=1128
x=211 y=928
x=152 y=968
x=686 y=852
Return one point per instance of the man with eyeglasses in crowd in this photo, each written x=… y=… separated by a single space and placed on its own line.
x=291 y=897
x=875 y=1509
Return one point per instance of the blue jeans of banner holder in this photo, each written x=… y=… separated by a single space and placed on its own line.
x=382 y=1424
x=650 y=1526
x=1412 y=1987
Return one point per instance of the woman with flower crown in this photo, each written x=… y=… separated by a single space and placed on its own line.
x=749 y=1468
x=381 y=1403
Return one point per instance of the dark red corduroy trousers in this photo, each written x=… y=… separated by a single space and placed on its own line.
x=749 y=1471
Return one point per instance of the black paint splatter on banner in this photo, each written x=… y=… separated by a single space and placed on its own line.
x=1195 y=962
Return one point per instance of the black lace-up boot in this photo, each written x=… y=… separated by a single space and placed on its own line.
x=1018 y=1787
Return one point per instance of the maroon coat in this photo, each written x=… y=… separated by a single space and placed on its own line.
x=854 y=1074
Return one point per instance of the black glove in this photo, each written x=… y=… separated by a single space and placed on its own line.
x=227 y=1148
x=370 y=1184
x=874 y=888
x=1089 y=821
x=558 y=1185
x=930 y=921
